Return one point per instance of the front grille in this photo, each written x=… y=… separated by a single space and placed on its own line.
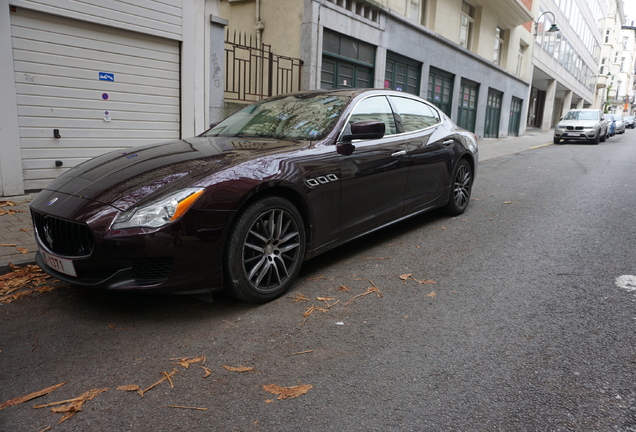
x=62 y=237
x=149 y=271
x=578 y=128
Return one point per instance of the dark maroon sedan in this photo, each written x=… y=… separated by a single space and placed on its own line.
x=242 y=205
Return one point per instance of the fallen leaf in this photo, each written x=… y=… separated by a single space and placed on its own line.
x=313 y=309
x=432 y=294
x=131 y=388
x=5 y=203
x=325 y=298
x=239 y=368
x=344 y=288
x=405 y=277
x=187 y=361
x=166 y=376
x=22 y=250
x=301 y=352
x=370 y=290
x=508 y=202
x=187 y=407
x=31 y=396
x=317 y=278
x=287 y=392
x=300 y=297
x=208 y=371
x=74 y=405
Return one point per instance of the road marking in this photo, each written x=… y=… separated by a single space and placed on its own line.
x=627 y=282
x=541 y=145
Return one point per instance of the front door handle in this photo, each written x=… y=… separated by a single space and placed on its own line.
x=399 y=153
x=448 y=142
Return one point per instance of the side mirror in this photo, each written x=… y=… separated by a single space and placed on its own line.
x=365 y=130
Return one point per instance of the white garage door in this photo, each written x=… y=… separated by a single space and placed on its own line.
x=96 y=87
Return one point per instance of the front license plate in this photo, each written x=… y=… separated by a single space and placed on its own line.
x=573 y=134
x=61 y=265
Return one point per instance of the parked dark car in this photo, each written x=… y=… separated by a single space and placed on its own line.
x=629 y=122
x=242 y=205
x=582 y=124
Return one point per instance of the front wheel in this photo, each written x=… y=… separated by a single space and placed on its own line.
x=460 y=188
x=265 y=250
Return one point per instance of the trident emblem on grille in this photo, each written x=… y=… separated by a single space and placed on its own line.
x=47 y=234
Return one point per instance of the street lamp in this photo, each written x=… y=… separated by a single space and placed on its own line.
x=553 y=28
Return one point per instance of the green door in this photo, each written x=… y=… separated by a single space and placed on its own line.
x=346 y=62
x=440 y=89
x=493 y=114
x=515 y=116
x=402 y=74
x=467 y=109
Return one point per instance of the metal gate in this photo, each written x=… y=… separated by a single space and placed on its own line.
x=254 y=72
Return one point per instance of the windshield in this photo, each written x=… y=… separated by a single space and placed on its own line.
x=295 y=117
x=581 y=115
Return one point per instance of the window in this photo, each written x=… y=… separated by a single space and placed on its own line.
x=520 y=56
x=415 y=115
x=622 y=64
x=499 y=47
x=375 y=108
x=625 y=40
x=466 y=25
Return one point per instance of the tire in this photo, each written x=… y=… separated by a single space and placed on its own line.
x=556 y=140
x=596 y=139
x=265 y=250
x=461 y=188
x=604 y=137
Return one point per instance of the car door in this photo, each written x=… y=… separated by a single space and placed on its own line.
x=374 y=175
x=430 y=152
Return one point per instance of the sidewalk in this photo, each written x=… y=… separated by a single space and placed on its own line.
x=17 y=242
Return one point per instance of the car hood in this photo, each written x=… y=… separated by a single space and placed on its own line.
x=580 y=123
x=123 y=178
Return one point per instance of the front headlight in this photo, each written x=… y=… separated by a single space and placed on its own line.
x=158 y=213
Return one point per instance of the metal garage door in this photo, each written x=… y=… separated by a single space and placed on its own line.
x=85 y=89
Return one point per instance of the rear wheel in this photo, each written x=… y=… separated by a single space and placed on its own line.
x=460 y=188
x=265 y=250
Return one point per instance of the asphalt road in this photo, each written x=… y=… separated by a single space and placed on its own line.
x=512 y=319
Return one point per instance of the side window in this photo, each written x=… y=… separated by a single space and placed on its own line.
x=415 y=115
x=375 y=108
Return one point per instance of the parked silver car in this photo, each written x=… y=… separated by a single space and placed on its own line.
x=582 y=124
x=619 y=121
x=629 y=122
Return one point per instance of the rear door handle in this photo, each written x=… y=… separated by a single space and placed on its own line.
x=399 y=153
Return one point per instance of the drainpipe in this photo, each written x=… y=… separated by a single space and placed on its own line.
x=259 y=26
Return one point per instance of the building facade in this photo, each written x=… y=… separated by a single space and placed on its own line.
x=471 y=59
x=566 y=62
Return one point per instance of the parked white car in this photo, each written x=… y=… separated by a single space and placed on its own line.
x=582 y=124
